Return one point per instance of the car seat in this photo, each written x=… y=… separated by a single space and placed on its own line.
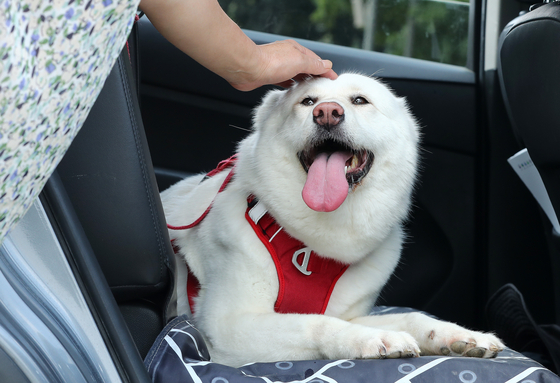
x=528 y=56
x=530 y=84
x=104 y=198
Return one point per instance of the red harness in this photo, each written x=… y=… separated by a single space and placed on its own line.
x=306 y=280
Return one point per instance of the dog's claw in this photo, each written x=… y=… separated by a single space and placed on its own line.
x=495 y=348
x=383 y=351
x=445 y=351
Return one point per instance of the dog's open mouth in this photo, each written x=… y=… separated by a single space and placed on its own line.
x=332 y=169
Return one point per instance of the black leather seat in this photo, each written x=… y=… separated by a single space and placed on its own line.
x=105 y=200
x=529 y=54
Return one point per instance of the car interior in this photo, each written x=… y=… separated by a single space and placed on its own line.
x=473 y=229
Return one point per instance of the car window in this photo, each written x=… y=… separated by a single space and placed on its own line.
x=435 y=30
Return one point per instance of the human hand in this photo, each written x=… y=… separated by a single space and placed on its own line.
x=282 y=63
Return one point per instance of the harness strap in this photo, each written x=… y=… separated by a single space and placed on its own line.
x=193 y=284
x=229 y=163
x=305 y=279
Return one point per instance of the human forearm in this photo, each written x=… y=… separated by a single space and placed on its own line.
x=201 y=29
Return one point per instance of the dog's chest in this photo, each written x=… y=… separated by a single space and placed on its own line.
x=305 y=279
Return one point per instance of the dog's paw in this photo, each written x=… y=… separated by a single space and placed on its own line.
x=454 y=340
x=368 y=343
x=399 y=345
x=473 y=344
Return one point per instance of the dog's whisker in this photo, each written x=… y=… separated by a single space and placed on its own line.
x=273 y=138
x=375 y=73
x=240 y=128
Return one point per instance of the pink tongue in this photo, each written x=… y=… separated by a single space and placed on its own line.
x=326 y=187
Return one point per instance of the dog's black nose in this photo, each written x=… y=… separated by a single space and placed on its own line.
x=328 y=115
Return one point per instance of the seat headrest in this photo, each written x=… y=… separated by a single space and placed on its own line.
x=528 y=70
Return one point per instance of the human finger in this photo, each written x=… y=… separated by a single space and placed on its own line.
x=332 y=75
x=288 y=58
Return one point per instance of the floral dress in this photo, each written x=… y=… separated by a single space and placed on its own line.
x=54 y=58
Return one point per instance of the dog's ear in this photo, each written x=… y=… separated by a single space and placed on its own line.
x=268 y=104
x=272 y=97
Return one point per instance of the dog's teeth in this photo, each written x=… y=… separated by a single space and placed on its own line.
x=354 y=163
x=345 y=169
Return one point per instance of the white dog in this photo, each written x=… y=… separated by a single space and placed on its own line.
x=293 y=240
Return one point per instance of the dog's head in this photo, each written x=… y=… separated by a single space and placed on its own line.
x=333 y=145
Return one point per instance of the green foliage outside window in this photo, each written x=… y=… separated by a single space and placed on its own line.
x=435 y=30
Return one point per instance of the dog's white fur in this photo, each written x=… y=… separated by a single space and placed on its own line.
x=235 y=308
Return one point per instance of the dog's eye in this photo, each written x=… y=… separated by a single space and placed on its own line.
x=359 y=101
x=308 y=101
